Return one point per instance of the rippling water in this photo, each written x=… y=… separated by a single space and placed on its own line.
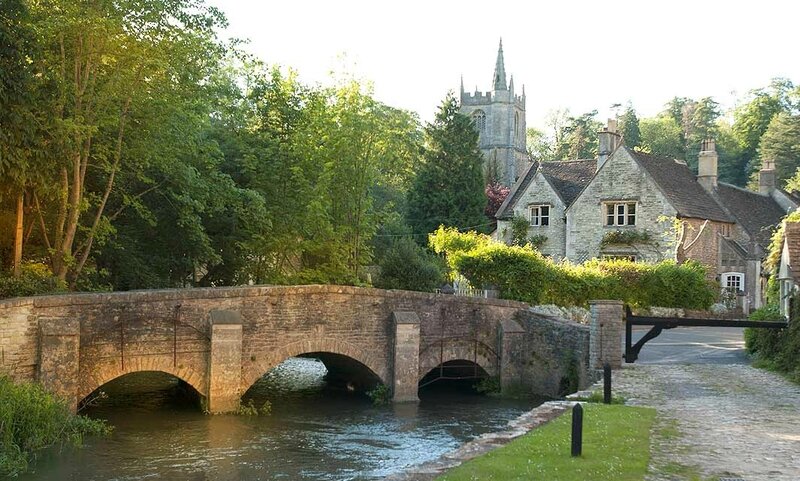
x=313 y=433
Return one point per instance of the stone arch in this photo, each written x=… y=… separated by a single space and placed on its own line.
x=100 y=377
x=369 y=359
x=433 y=356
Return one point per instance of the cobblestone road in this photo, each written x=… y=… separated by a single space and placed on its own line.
x=717 y=421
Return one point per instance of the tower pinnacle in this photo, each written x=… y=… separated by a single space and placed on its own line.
x=500 y=70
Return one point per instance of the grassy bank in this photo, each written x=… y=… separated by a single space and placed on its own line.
x=32 y=419
x=616 y=445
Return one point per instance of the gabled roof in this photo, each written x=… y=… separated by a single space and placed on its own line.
x=567 y=178
x=679 y=185
x=757 y=214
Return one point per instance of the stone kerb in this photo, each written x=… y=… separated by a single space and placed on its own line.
x=606 y=329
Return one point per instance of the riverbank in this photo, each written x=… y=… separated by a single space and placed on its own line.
x=31 y=420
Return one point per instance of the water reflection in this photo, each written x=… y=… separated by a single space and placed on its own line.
x=314 y=432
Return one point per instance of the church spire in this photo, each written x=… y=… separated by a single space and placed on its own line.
x=500 y=70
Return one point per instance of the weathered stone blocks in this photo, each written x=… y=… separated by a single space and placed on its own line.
x=406 y=356
x=59 y=355
x=607 y=328
x=225 y=361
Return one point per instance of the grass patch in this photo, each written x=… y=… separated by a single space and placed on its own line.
x=616 y=445
x=597 y=397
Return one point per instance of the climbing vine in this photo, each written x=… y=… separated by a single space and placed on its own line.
x=626 y=237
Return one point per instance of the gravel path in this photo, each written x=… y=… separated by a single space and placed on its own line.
x=717 y=421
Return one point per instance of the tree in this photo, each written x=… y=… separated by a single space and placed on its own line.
x=540 y=147
x=578 y=137
x=449 y=186
x=113 y=73
x=781 y=143
x=629 y=127
x=752 y=118
x=662 y=136
x=408 y=266
x=18 y=128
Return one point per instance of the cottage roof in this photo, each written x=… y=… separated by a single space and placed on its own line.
x=567 y=178
x=758 y=214
x=679 y=185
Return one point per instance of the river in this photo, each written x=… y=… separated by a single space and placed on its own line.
x=314 y=432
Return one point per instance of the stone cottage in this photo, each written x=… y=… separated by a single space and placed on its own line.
x=637 y=206
x=789 y=270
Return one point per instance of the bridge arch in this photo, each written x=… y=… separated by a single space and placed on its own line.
x=443 y=352
x=369 y=359
x=102 y=377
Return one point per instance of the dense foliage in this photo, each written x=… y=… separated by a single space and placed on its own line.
x=34 y=278
x=410 y=267
x=522 y=273
x=32 y=419
x=776 y=349
x=448 y=188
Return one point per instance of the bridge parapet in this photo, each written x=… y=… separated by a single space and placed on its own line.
x=191 y=334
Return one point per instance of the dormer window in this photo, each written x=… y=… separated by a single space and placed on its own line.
x=539 y=215
x=620 y=213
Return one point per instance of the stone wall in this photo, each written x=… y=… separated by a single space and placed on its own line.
x=552 y=348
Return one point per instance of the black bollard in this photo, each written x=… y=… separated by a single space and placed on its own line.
x=577 y=430
x=606 y=383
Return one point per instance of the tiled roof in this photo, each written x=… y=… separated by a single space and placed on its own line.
x=792 y=237
x=758 y=214
x=570 y=177
x=681 y=188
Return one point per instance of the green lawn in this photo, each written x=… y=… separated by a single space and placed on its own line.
x=616 y=445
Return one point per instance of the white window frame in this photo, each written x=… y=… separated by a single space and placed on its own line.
x=625 y=210
x=726 y=279
x=537 y=219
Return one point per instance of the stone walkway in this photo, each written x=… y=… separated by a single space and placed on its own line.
x=717 y=421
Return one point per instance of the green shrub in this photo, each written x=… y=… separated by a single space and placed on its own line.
x=381 y=395
x=35 y=278
x=32 y=419
x=777 y=349
x=409 y=266
x=522 y=273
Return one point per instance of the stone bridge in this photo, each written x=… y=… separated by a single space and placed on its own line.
x=222 y=340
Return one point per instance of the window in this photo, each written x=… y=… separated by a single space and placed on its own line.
x=732 y=281
x=479 y=117
x=540 y=215
x=620 y=213
x=624 y=257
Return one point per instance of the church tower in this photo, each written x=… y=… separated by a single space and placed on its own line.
x=499 y=116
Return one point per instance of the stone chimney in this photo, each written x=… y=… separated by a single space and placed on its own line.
x=766 y=177
x=608 y=140
x=707 y=165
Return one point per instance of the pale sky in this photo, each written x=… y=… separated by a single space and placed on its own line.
x=574 y=54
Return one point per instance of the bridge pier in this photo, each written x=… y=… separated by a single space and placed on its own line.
x=406 y=356
x=511 y=336
x=225 y=362
x=59 y=356
x=605 y=334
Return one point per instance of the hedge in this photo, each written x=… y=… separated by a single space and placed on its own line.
x=522 y=273
x=776 y=349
